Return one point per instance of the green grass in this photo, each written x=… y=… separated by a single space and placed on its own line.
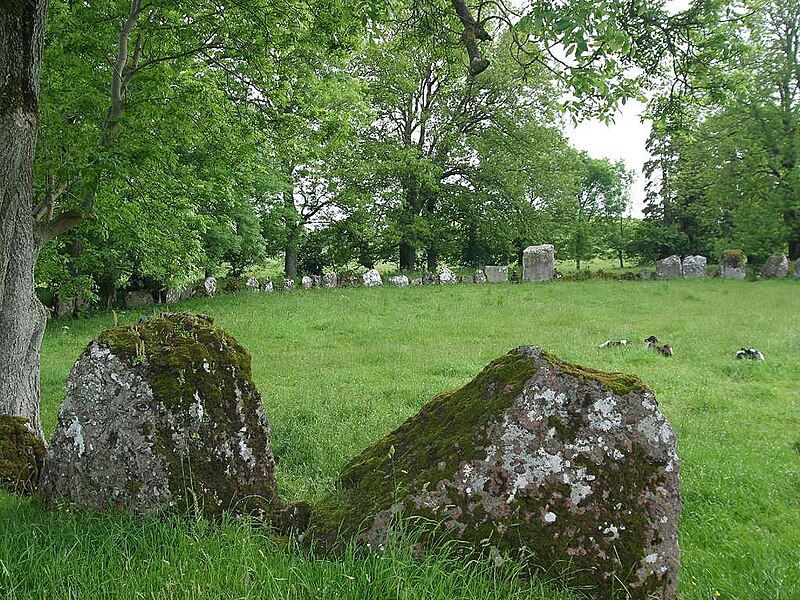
x=340 y=368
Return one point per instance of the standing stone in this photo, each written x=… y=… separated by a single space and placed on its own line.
x=669 y=268
x=538 y=263
x=176 y=293
x=267 y=286
x=797 y=269
x=535 y=457
x=163 y=417
x=21 y=455
x=329 y=280
x=776 y=267
x=417 y=281
x=466 y=279
x=349 y=278
x=447 y=277
x=694 y=266
x=253 y=285
x=646 y=274
x=317 y=279
x=372 y=278
x=429 y=278
x=733 y=265
x=307 y=282
x=399 y=281
x=480 y=276
x=138 y=299
x=496 y=274
x=210 y=286
x=289 y=285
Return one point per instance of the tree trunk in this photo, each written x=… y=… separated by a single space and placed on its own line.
x=432 y=258
x=290 y=261
x=408 y=256
x=22 y=316
x=794 y=249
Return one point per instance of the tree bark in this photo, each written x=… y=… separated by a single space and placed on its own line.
x=290 y=261
x=432 y=258
x=794 y=249
x=22 y=316
x=408 y=256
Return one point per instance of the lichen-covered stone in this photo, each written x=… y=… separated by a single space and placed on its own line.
x=496 y=274
x=210 y=286
x=694 y=266
x=21 y=455
x=538 y=263
x=349 y=278
x=429 y=278
x=399 y=280
x=253 y=284
x=669 y=268
x=307 y=282
x=267 y=286
x=329 y=280
x=733 y=265
x=289 y=285
x=138 y=299
x=466 y=279
x=646 y=274
x=446 y=277
x=775 y=267
x=536 y=457
x=797 y=269
x=480 y=276
x=372 y=278
x=163 y=417
x=416 y=281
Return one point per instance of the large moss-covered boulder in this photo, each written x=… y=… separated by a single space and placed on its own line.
x=163 y=417
x=536 y=457
x=21 y=455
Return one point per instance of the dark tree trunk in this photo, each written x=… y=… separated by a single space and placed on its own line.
x=794 y=249
x=408 y=256
x=290 y=261
x=432 y=258
x=22 y=316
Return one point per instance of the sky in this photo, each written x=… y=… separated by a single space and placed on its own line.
x=624 y=139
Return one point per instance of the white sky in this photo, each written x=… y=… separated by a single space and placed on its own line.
x=624 y=139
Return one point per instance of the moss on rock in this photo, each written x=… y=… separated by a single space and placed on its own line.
x=536 y=457
x=21 y=455
x=166 y=409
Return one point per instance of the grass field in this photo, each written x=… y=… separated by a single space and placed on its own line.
x=339 y=368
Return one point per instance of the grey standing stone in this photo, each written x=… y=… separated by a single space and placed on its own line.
x=538 y=263
x=466 y=279
x=330 y=280
x=307 y=282
x=289 y=285
x=669 y=268
x=163 y=417
x=372 y=278
x=417 y=281
x=733 y=265
x=138 y=299
x=399 y=281
x=694 y=266
x=797 y=269
x=646 y=274
x=210 y=286
x=253 y=285
x=535 y=457
x=447 y=277
x=480 y=276
x=776 y=266
x=496 y=274
x=267 y=286
x=65 y=307
x=429 y=278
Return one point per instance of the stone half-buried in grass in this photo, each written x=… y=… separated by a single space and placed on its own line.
x=163 y=417
x=536 y=457
x=21 y=455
